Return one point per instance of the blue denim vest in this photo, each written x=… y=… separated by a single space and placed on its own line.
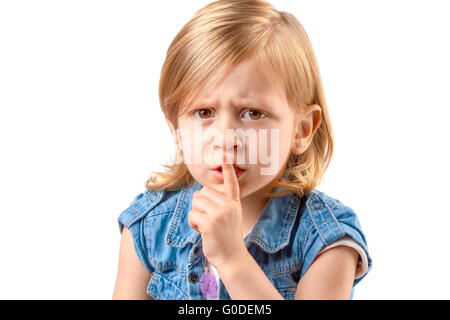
x=288 y=235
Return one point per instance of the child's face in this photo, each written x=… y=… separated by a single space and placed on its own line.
x=250 y=109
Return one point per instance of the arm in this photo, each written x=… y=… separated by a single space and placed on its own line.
x=245 y=280
x=132 y=276
x=330 y=276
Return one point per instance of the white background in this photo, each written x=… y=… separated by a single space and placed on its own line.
x=81 y=130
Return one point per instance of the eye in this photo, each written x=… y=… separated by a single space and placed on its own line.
x=203 y=113
x=255 y=114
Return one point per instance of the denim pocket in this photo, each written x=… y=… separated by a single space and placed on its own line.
x=162 y=288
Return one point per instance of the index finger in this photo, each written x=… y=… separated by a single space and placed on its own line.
x=230 y=181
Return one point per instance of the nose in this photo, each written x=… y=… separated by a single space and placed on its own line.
x=226 y=139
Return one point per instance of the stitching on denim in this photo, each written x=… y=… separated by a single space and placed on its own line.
x=291 y=215
x=154 y=294
x=163 y=278
x=184 y=242
x=307 y=237
x=333 y=216
x=160 y=213
x=330 y=212
x=283 y=270
x=311 y=214
x=332 y=203
x=279 y=270
x=335 y=204
x=175 y=221
x=142 y=242
x=293 y=212
x=158 y=196
x=167 y=267
x=287 y=221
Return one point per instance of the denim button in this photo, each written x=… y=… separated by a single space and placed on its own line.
x=316 y=205
x=193 y=277
x=196 y=249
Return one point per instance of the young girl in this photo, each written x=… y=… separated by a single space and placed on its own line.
x=234 y=223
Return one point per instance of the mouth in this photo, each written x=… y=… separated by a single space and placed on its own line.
x=219 y=167
x=237 y=169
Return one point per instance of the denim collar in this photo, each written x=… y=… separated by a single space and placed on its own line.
x=271 y=232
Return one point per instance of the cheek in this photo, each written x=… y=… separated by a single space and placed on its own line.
x=195 y=169
x=191 y=145
x=276 y=146
x=285 y=144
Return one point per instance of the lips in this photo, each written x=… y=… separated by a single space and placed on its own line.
x=237 y=169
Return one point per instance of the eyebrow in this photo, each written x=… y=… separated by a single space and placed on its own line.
x=263 y=103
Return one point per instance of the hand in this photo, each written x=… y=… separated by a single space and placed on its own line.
x=217 y=216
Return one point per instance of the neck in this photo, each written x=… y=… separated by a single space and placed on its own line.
x=253 y=206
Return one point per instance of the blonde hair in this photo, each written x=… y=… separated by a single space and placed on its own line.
x=225 y=33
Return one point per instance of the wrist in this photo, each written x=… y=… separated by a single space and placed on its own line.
x=234 y=264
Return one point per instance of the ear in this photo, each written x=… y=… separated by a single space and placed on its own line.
x=305 y=127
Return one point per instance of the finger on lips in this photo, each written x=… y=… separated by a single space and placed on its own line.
x=230 y=181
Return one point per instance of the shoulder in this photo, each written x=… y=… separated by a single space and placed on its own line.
x=328 y=215
x=325 y=220
x=149 y=203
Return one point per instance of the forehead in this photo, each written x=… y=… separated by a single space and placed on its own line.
x=244 y=83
